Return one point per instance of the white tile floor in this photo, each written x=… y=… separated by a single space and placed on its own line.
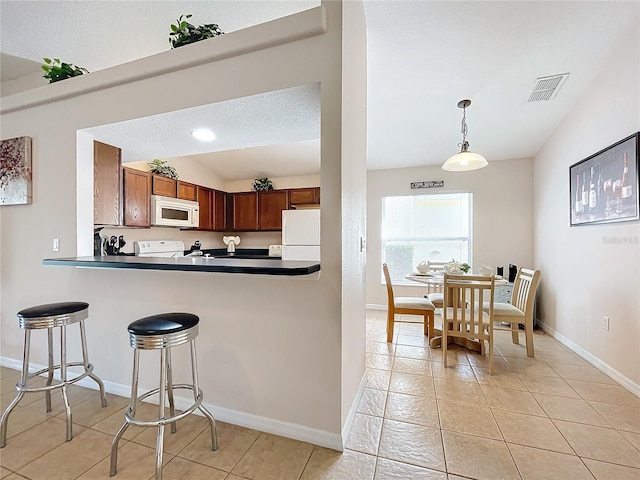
x=550 y=417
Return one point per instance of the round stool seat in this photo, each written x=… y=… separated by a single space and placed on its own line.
x=164 y=330
x=53 y=315
x=50 y=316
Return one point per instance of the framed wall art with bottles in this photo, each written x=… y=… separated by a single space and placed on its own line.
x=603 y=188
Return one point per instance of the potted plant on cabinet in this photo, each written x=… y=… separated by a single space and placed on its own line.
x=162 y=167
x=262 y=185
x=55 y=70
x=184 y=33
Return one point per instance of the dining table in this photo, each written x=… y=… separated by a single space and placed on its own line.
x=435 y=281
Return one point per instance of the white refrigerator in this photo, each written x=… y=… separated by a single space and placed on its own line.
x=301 y=235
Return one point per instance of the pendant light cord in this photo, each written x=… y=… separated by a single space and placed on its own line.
x=464 y=145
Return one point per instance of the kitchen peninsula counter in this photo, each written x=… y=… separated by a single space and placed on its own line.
x=192 y=264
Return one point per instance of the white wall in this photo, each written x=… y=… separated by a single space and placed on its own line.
x=278 y=183
x=354 y=185
x=592 y=271
x=502 y=215
x=272 y=346
x=188 y=170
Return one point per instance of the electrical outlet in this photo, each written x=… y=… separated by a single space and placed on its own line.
x=56 y=245
x=605 y=323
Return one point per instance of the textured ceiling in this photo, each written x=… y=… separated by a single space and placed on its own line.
x=423 y=57
x=287 y=115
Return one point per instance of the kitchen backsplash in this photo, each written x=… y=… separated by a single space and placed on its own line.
x=207 y=239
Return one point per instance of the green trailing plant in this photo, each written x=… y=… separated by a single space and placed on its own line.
x=55 y=70
x=162 y=167
x=184 y=33
x=262 y=185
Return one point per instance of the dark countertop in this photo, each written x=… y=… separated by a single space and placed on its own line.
x=262 y=266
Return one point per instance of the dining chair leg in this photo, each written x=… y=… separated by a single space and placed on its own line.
x=528 y=334
x=390 y=319
x=490 y=354
x=514 y=332
x=444 y=346
x=430 y=317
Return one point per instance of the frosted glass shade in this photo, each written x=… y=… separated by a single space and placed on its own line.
x=465 y=161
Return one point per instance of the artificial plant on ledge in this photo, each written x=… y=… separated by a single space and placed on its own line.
x=55 y=70
x=184 y=33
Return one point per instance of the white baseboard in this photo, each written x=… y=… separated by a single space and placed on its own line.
x=247 y=420
x=354 y=407
x=593 y=360
x=373 y=306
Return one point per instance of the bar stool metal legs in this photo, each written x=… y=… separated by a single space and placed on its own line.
x=162 y=332
x=50 y=316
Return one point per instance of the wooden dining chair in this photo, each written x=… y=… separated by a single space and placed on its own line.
x=465 y=316
x=520 y=310
x=435 y=293
x=406 y=306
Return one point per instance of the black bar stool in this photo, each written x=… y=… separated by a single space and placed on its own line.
x=50 y=316
x=162 y=332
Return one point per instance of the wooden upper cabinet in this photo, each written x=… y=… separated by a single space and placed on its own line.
x=270 y=206
x=186 y=191
x=136 y=192
x=106 y=184
x=206 y=207
x=304 y=196
x=243 y=211
x=164 y=186
x=219 y=218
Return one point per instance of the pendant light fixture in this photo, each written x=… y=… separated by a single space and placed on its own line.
x=465 y=160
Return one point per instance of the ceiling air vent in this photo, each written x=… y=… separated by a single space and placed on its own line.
x=547 y=87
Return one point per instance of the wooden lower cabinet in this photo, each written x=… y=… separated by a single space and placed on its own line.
x=270 y=207
x=136 y=193
x=243 y=211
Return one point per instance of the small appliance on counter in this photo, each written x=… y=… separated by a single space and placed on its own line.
x=159 y=248
x=98 y=243
x=107 y=246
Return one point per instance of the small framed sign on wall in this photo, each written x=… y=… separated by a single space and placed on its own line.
x=603 y=188
x=428 y=184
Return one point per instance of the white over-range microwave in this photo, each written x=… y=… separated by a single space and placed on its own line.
x=174 y=212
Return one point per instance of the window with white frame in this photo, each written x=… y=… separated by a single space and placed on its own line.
x=433 y=227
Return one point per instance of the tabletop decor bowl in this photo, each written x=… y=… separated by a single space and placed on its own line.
x=422 y=267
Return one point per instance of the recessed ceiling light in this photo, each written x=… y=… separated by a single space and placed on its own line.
x=203 y=134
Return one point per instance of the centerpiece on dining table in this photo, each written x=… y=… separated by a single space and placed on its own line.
x=456 y=268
